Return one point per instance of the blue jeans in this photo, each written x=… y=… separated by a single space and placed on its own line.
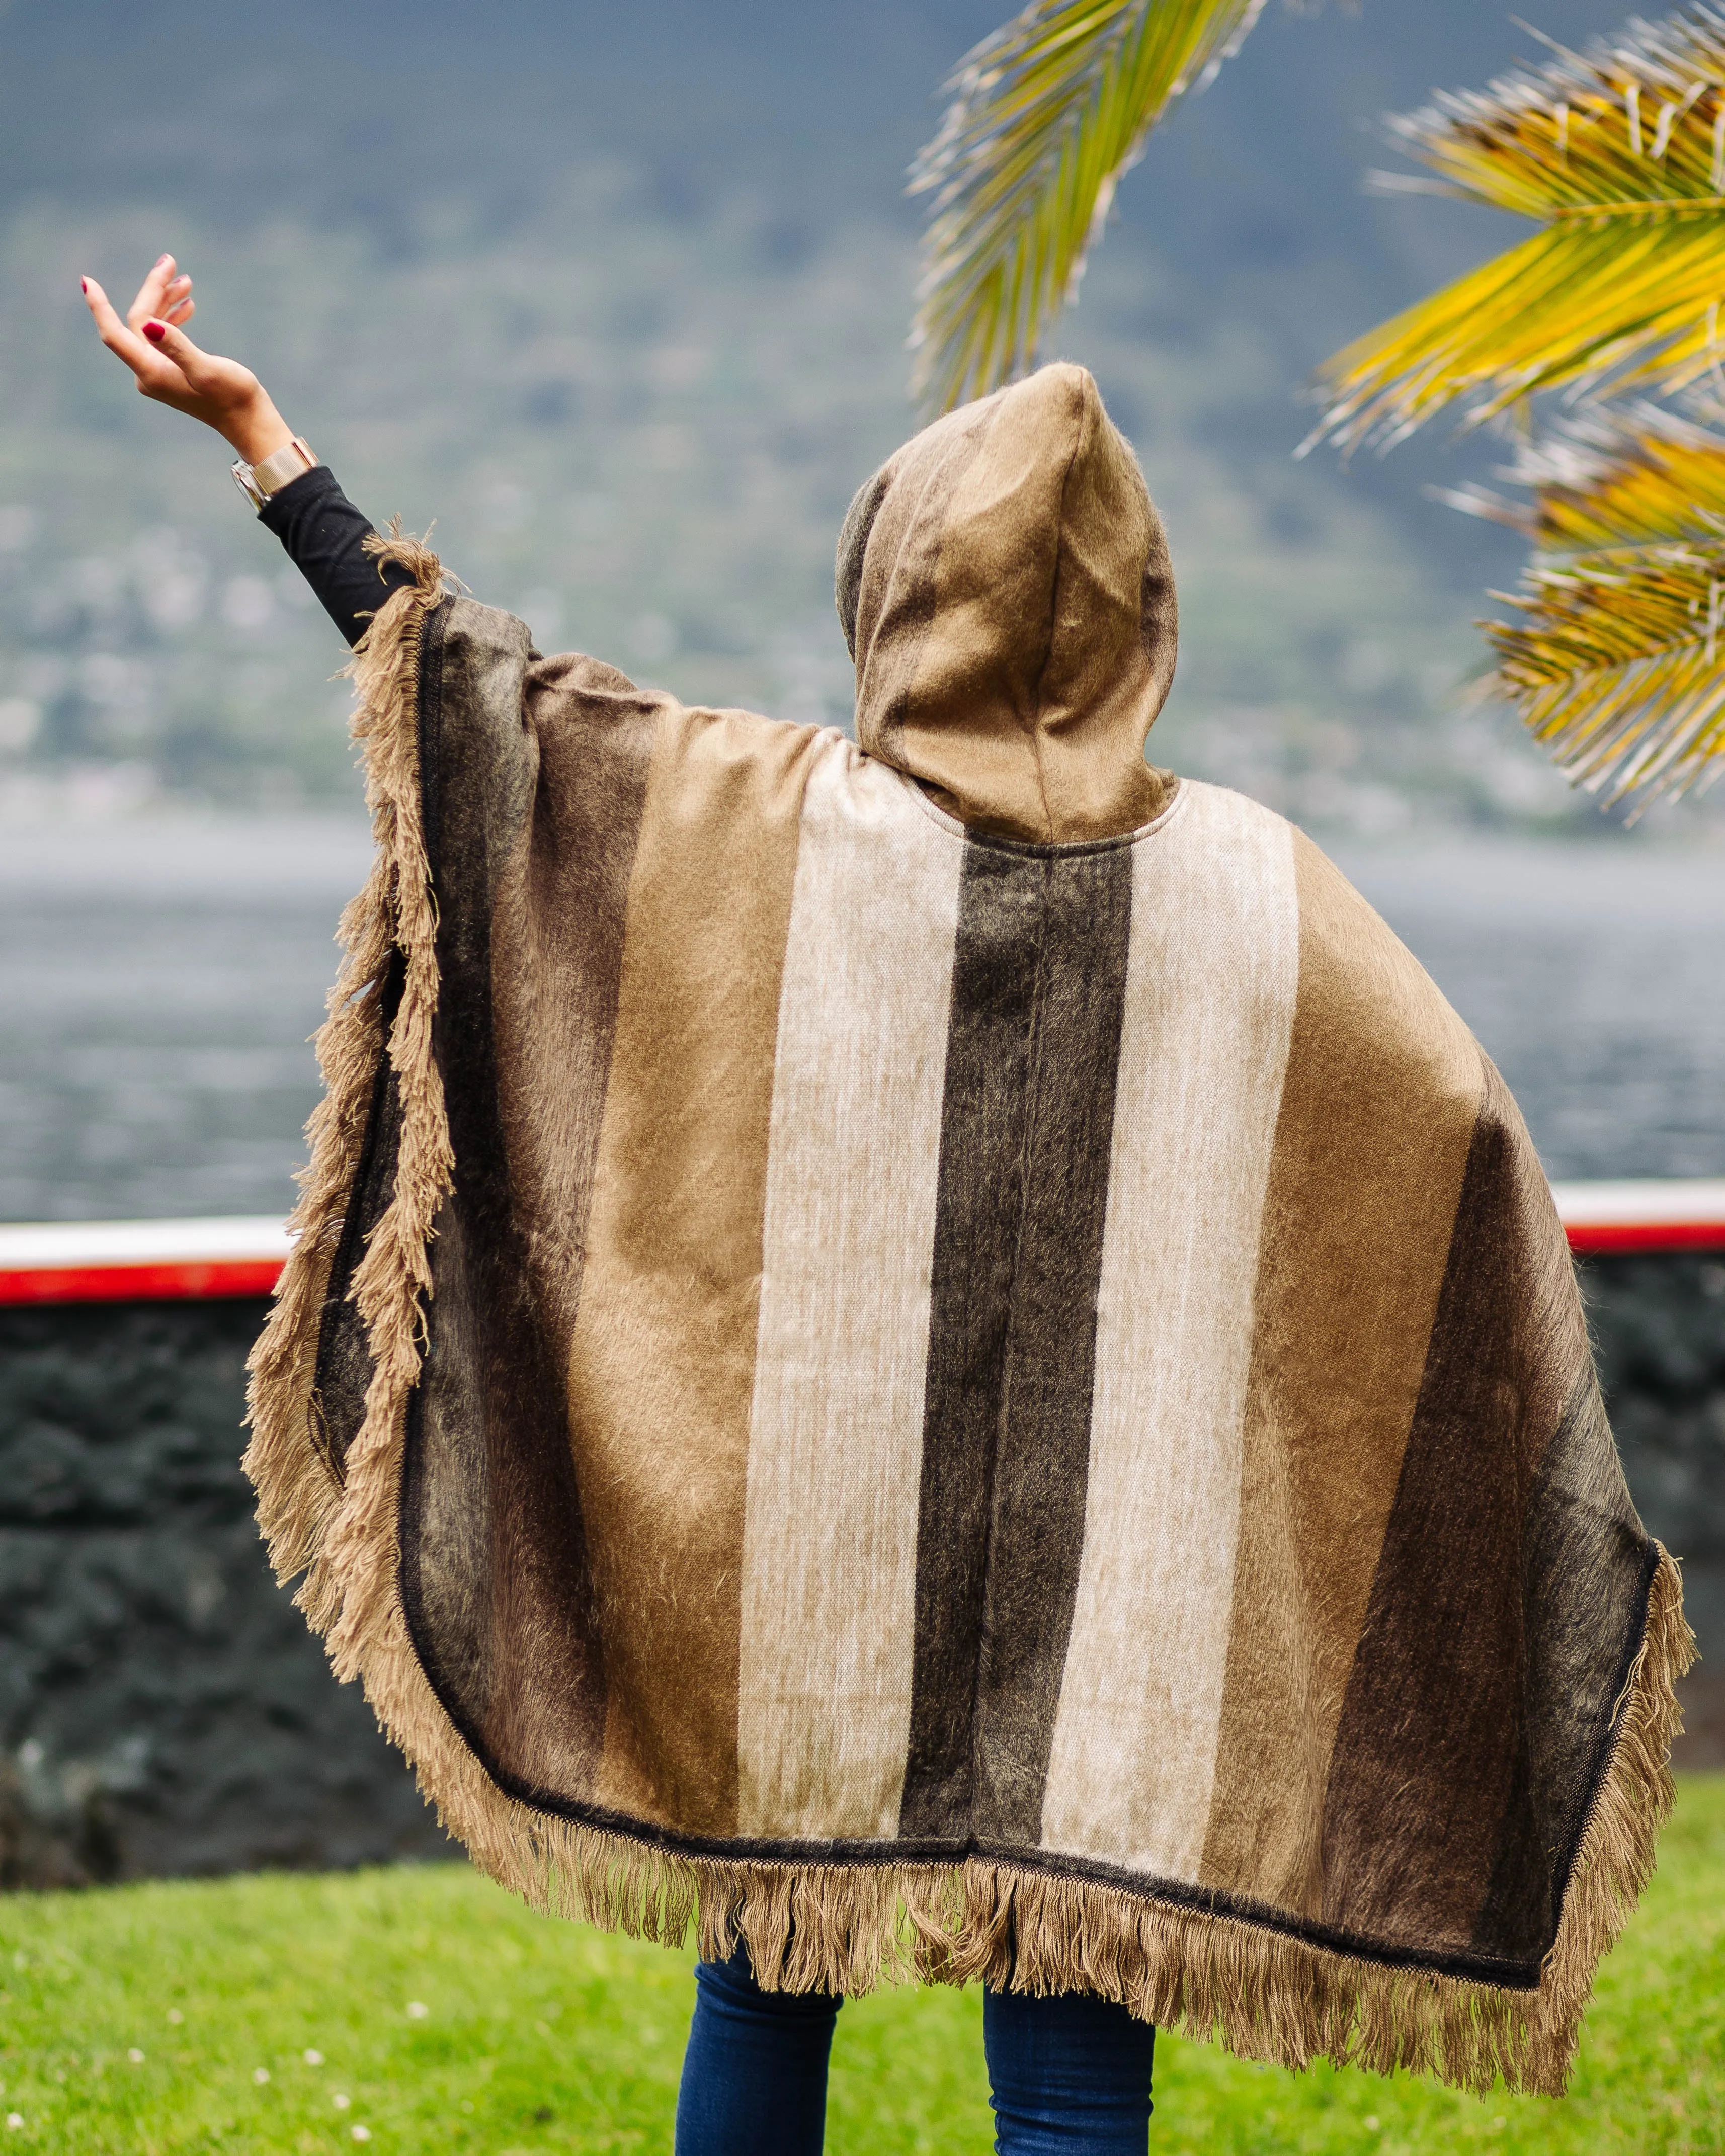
x=1067 y=2074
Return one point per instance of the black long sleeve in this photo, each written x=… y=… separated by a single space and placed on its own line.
x=326 y=535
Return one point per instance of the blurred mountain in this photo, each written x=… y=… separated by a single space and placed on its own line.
x=618 y=296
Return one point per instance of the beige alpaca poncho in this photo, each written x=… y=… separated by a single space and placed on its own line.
x=939 y=1352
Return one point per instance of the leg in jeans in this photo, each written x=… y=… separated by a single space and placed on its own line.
x=755 y=2073
x=1066 y=2075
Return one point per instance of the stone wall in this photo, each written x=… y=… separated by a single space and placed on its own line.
x=1659 y=1331
x=163 y=1708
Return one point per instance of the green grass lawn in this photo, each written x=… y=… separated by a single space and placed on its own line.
x=423 y=2009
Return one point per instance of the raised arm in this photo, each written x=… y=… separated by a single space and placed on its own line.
x=321 y=530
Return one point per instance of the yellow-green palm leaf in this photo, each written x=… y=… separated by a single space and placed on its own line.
x=1046 y=114
x=1611 y=477
x=1617 y=665
x=1620 y=153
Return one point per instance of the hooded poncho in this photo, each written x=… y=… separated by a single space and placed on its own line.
x=937 y=1353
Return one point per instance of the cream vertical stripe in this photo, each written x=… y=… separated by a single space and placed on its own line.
x=1211 y=980
x=835 y=1438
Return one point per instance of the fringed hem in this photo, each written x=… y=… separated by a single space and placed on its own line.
x=1618 y=1848
x=342 y=1534
x=1264 y=1994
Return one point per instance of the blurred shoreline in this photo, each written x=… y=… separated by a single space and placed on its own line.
x=162 y=974
x=176 y=851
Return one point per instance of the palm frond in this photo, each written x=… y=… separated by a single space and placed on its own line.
x=1619 y=151
x=1046 y=114
x=1616 y=665
x=1632 y=477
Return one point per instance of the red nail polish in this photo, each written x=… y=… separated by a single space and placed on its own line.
x=84 y=284
x=156 y=331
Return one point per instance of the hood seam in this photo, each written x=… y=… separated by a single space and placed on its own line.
x=1054 y=597
x=1061 y=849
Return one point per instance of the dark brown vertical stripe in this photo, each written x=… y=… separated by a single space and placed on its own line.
x=1424 y=1769
x=1584 y=1605
x=977 y=1213
x=559 y=902
x=495 y=1573
x=1043 y=1457
x=1039 y=979
x=557 y=975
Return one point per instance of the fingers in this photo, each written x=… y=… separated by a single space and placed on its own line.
x=167 y=365
x=156 y=373
x=175 y=304
x=155 y=296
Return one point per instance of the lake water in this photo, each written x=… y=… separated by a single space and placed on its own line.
x=160 y=978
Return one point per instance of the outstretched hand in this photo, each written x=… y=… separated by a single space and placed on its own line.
x=170 y=369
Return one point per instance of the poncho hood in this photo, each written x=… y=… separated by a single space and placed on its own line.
x=1004 y=585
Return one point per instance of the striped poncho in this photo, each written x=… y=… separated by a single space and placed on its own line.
x=940 y=1354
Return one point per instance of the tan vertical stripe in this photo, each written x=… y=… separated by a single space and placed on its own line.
x=1377 y=1112
x=835 y=1447
x=1211 y=981
x=662 y=1360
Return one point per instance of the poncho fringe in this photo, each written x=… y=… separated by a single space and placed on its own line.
x=1265 y=1995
